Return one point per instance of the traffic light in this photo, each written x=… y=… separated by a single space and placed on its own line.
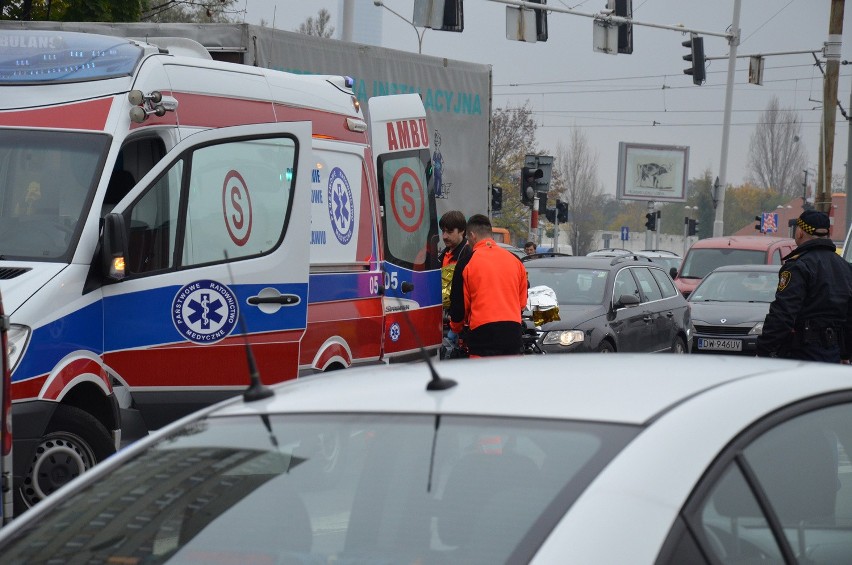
x=550 y=214
x=542 y=203
x=528 y=185
x=496 y=198
x=692 y=227
x=695 y=44
x=443 y=15
x=540 y=21
x=624 y=9
x=561 y=211
x=651 y=221
x=759 y=225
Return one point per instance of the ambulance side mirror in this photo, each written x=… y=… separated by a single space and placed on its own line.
x=114 y=247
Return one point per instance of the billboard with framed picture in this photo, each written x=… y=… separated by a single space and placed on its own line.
x=652 y=172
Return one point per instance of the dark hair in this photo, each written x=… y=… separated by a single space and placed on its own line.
x=529 y=244
x=480 y=225
x=452 y=220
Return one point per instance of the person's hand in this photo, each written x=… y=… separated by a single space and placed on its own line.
x=453 y=337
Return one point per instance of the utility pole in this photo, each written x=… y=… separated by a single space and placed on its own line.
x=734 y=41
x=829 y=105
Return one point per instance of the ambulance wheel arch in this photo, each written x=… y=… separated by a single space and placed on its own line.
x=333 y=355
x=73 y=442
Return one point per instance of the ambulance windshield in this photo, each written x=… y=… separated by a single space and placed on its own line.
x=47 y=179
x=33 y=56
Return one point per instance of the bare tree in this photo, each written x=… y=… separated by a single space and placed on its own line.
x=512 y=137
x=318 y=26
x=776 y=157
x=578 y=185
x=196 y=11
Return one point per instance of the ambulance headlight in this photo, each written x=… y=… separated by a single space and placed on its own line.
x=17 y=338
x=565 y=338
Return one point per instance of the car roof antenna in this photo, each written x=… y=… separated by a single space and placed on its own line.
x=256 y=390
x=437 y=382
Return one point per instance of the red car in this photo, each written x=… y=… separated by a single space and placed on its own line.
x=707 y=254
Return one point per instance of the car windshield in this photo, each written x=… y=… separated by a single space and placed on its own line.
x=699 y=262
x=331 y=489
x=572 y=286
x=736 y=286
x=667 y=262
x=47 y=179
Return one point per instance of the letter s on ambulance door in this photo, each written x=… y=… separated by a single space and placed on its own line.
x=171 y=327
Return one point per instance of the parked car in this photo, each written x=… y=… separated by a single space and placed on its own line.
x=707 y=254
x=729 y=306
x=623 y=304
x=670 y=260
x=516 y=251
x=640 y=459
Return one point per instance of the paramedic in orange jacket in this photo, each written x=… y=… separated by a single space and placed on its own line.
x=495 y=292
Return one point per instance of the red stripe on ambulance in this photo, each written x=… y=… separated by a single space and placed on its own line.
x=89 y=115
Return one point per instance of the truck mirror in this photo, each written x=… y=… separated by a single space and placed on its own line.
x=673 y=272
x=114 y=247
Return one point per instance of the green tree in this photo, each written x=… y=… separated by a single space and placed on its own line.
x=318 y=26
x=513 y=132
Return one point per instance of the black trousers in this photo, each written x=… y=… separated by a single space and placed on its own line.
x=496 y=338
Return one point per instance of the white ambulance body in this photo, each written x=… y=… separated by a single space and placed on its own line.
x=152 y=203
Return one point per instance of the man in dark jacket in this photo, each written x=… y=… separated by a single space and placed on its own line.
x=456 y=248
x=811 y=316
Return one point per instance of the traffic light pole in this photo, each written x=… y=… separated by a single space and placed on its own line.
x=733 y=41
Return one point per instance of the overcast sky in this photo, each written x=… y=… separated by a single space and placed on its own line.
x=640 y=98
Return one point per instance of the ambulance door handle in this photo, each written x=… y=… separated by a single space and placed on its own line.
x=283 y=299
x=269 y=300
x=407 y=286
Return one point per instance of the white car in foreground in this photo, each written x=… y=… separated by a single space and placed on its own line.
x=635 y=459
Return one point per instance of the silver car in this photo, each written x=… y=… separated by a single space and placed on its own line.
x=640 y=459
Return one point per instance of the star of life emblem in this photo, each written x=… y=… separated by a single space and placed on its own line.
x=205 y=311
x=394 y=331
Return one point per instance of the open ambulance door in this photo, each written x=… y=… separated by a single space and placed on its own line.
x=412 y=278
x=216 y=236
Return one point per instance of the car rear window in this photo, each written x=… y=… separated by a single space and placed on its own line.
x=331 y=489
x=699 y=262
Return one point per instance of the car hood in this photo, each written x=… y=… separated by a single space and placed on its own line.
x=572 y=315
x=23 y=280
x=732 y=312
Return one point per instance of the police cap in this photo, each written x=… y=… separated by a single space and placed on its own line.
x=813 y=222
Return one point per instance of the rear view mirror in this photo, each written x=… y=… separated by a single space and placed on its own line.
x=673 y=272
x=114 y=247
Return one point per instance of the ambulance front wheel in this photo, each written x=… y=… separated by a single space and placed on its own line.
x=73 y=443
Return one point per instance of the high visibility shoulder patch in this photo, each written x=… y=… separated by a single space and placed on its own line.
x=784 y=280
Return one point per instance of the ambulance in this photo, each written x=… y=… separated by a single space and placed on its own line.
x=161 y=211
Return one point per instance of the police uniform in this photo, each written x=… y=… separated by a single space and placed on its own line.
x=812 y=309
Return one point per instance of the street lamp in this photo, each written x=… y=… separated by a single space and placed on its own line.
x=419 y=33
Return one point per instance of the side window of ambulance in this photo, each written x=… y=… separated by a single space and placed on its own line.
x=239 y=196
x=153 y=221
x=409 y=214
x=776 y=257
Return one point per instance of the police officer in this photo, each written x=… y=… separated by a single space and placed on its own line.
x=810 y=316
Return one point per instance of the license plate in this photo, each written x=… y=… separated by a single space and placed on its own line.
x=720 y=344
